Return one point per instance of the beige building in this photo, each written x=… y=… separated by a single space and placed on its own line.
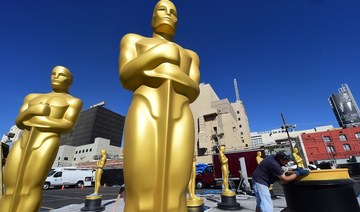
x=77 y=156
x=218 y=122
x=12 y=136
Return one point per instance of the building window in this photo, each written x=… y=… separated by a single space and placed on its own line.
x=238 y=119
x=357 y=135
x=87 y=150
x=75 y=152
x=241 y=133
x=74 y=159
x=238 y=112
x=90 y=150
x=240 y=126
x=326 y=138
x=342 y=137
x=346 y=147
x=330 y=148
x=83 y=151
x=58 y=158
x=66 y=158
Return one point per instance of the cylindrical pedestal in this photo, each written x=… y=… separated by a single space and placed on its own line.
x=322 y=191
x=196 y=208
x=228 y=203
x=93 y=204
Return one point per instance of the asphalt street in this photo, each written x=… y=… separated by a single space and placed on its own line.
x=57 y=198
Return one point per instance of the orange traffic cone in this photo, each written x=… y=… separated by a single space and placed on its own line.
x=62 y=188
x=82 y=186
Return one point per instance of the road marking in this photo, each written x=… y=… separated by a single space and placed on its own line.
x=47 y=208
x=63 y=197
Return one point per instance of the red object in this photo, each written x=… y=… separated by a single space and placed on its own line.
x=212 y=176
x=341 y=143
x=62 y=188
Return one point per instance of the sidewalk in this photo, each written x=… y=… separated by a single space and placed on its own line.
x=247 y=204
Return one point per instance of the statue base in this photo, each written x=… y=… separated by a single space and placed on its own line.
x=322 y=190
x=228 y=203
x=93 y=203
x=199 y=208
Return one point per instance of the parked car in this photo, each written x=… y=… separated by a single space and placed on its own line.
x=67 y=176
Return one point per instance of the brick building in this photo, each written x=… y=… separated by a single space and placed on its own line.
x=335 y=144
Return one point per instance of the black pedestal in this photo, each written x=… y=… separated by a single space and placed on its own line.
x=196 y=208
x=93 y=205
x=228 y=203
x=321 y=195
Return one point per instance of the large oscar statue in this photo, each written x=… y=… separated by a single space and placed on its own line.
x=159 y=127
x=43 y=117
x=228 y=197
x=93 y=201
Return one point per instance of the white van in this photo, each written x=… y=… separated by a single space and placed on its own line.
x=67 y=176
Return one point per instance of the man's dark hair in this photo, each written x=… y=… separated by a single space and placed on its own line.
x=282 y=156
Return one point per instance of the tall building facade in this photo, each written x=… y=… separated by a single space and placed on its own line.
x=218 y=122
x=345 y=108
x=96 y=122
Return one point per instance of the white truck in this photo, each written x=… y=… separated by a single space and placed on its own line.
x=69 y=176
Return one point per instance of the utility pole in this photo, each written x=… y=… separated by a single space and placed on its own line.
x=1 y=171
x=287 y=132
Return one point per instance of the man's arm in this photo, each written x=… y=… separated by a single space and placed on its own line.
x=287 y=179
x=291 y=177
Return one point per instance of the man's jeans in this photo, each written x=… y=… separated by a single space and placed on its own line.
x=263 y=197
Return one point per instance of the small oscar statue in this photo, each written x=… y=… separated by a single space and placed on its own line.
x=228 y=197
x=194 y=203
x=93 y=201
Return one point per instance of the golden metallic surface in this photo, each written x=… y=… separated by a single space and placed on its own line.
x=42 y=117
x=99 y=171
x=93 y=197
x=192 y=199
x=159 y=128
x=258 y=157
x=225 y=173
x=326 y=174
x=297 y=159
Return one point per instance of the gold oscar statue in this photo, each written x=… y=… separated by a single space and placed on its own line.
x=225 y=172
x=43 y=118
x=193 y=200
x=99 y=171
x=159 y=127
x=297 y=159
x=93 y=201
x=258 y=157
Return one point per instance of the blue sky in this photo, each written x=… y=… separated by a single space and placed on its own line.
x=288 y=56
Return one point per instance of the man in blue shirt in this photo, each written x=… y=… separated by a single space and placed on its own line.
x=267 y=172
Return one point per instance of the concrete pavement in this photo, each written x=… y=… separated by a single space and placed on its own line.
x=247 y=204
